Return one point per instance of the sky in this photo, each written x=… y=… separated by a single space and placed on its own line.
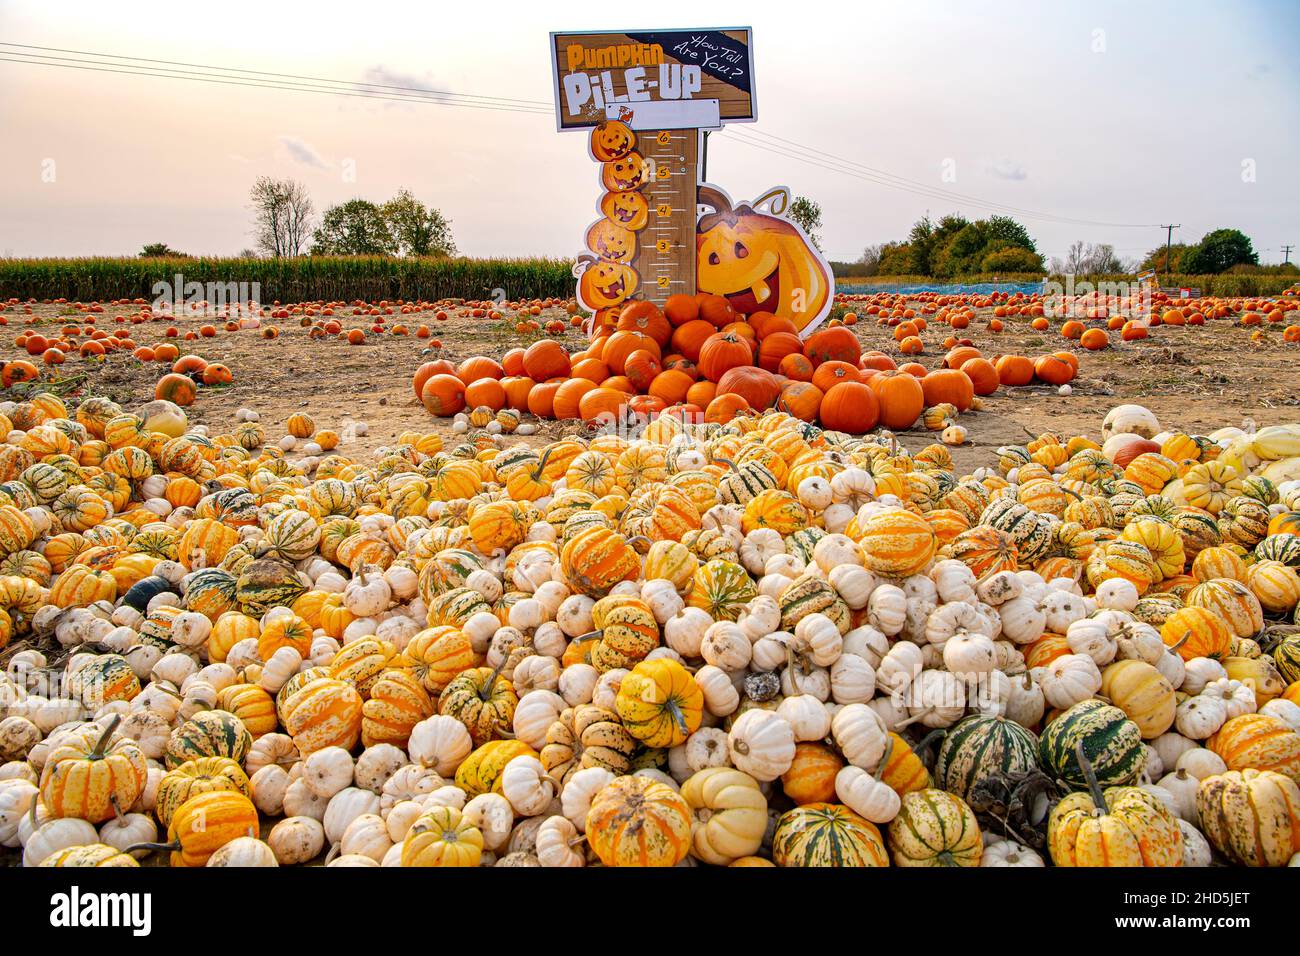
x=1112 y=112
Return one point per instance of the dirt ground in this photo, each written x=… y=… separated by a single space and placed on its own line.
x=1194 y=378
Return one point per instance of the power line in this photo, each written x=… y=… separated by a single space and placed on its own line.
x=1286 y=252
x=289 y=76
x=266 y=85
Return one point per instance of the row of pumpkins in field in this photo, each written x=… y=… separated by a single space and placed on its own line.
x=697 y=359
x=750 y=643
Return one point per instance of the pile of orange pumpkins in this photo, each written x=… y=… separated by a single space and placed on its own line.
x=755 y=642
x=698 y=359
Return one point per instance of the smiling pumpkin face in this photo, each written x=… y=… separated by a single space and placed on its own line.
x=626 y=172
x=611 y=140
x=627 y=209
x=759 y=262
x=611 y=241
x=604 y=284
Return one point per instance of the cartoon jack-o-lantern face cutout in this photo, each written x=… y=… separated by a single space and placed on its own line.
x=759 y=262
x=627 y=209
x=604 y=284
x=611 y=140
x=611 y=241
x=626 y=172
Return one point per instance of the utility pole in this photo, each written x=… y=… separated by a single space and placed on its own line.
x=1286 y=252
x=1169 y=235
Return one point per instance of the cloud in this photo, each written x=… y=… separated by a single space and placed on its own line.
x=1007 y=169
x=412 y=85
x=1259 y=71
x=304 y=153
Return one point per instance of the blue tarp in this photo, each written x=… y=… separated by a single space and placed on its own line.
x=978 y=288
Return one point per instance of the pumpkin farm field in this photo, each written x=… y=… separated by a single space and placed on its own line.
x=956 y=580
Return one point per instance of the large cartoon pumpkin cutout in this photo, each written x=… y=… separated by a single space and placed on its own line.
x=611 y=140
x=628 y=209
x=602 y=283
x=626 y=172
x=611 y=241
x=761 y=261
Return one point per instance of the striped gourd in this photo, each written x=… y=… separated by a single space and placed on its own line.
x=1162 y=540
x=1198 y=529
x=266 y=583
x=102 y=680
x=744 y=482
x=935 y=828
x=1244 y=521
x=453 y=608
x=1252 y=817
x=1111 y=742
x=1280 y=547
x=671 y=561
x=322 y=713
x=1129 y=560
x=209 y=733
x=205 y=542
x=1232 y=601
x=16 y=530
x=292 y=535
x=1286 y=655
x=978 y=746
x=985 y=550
x=826 y=835
x=969 y=499
x=1258 y=742
x=200 y=775
x=211 y=592
x=897 y=543
x=722 y=588
x=82 y=586
x=1030 y=533
x=1276 y=585
x=802 y=543
x=810 y=594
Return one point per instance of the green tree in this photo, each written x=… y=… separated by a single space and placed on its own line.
x=1219 y=251
x=807 y=215
x=895 y=259
x=1155 y=259
x=1004 y=227
x=157 y=249
x=417 y=229
x=1012 y=259
x=354 y=228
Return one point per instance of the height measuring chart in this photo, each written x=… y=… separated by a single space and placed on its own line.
x=646 y=98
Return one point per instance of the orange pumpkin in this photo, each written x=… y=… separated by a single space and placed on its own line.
x=546 y=359
x=852 y=407
x=835 y=344
x=721 y=352
x=949 y=385
x=901 y=398
x=178 y=389
x=758 y=387
x=803 y=400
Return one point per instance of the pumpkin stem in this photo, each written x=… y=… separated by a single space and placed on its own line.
x=884 y=758
x=486 y=690
x=153 y=847
x=929 y=739
x=102 y=743
x=714 y=198
x=777 y=198
x=1181 y=641
x=541 y=462
x=334 y=851
x=1098 y=797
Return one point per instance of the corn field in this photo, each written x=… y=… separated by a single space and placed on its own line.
x=305 y=278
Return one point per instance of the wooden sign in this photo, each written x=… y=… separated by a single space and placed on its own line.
x=594 y=71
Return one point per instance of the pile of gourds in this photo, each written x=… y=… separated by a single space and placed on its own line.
x=749 y=643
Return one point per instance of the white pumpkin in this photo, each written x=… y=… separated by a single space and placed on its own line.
x=887 y=609
x=762 y=744
x=806 y=715
x=684 y=631
x=440 y=742
x=556 y=840
x=1009 y=853
x=860 y=734
x=1069 y=679
x=853 y=680
x=245 y=851
x=525 y=784
x=720 y=694
x=296 y=840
